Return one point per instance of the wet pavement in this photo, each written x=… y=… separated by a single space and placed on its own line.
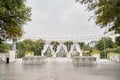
x=60 y=69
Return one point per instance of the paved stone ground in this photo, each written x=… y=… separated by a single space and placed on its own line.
x=60 y=69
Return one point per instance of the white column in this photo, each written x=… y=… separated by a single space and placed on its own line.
x=81 y=53
x=42 y=54
x=14 y=46
x=12 y=56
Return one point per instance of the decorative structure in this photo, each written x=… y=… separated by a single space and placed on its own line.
x=47 y=50
x=93 y=43
x=11 y=57
x=61 y=50
x=75 y=50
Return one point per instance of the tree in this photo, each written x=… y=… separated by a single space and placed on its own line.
x=13 y=15
x=25 y=46
x=117 y=40
x=107 y=13
x=55 y=44
x=103 y=44
x=39 y=45
x=30 y=46
x=4 y=47
x=14 y=32
x=68 y=45
x=20 y=50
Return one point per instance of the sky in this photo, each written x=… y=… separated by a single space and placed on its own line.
x=60 y=19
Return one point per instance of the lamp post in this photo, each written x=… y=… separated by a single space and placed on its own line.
x=104 y=48
x=104 y=44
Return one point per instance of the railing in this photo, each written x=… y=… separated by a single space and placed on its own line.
x=34 y=60
x=84 y=61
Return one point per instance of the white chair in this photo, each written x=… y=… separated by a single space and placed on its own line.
x=90 y=61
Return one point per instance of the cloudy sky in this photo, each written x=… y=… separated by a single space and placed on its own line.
x=60 y=18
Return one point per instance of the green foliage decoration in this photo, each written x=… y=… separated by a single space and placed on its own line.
x=68 y=45
x=55 y=45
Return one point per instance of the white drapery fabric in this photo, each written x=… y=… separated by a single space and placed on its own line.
x=46 y=46
x=75 y=47
x=61 y=45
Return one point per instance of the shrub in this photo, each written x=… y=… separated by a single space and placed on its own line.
x=95 y=52
x=110 y=54
x=113 y=50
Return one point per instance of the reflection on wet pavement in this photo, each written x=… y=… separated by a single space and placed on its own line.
x=60 y=69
